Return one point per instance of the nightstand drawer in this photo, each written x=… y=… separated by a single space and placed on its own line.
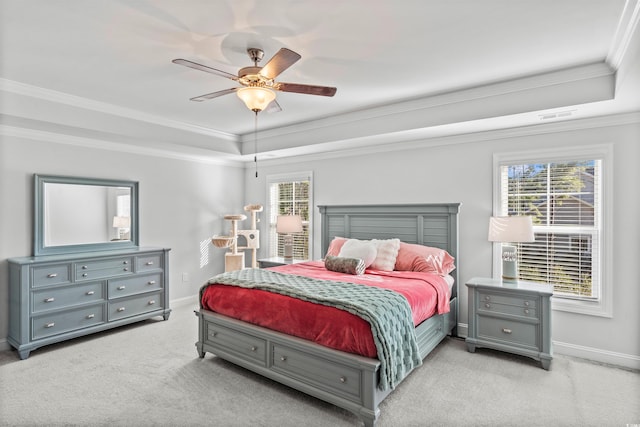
x=508 y=331
x=497 y=298
x=495 y=308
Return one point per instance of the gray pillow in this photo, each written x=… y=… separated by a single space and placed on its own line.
x=344 y=265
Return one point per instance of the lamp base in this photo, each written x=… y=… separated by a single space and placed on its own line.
x=509 y=263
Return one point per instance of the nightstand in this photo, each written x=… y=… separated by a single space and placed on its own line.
x=276 y=261
x=511 y=316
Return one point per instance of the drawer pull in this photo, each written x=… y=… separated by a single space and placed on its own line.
x=254 y=348
x=122 y=288
x=487 y=298
x=50 y=325
x=84 y=275
x=526 y=303
x=151 y=282
x=52 y=299
x=283 y=358
x=343 y=379
x=90 y=292
x=506 y=331
x=487 y=305
x=149 y=263
x=125 y=262
x=52 y=275
x=214 y=334
x=91 y=316
x=152 y=302
x=121 y=309
x=125 y=269
x=526 y=311
x=84 y=267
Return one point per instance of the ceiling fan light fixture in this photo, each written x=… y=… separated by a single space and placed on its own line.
x=256 y=98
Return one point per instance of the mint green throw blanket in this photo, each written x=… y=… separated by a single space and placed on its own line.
x=388 y=313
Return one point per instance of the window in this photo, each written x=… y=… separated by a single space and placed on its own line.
x=563 y=192
x=290 y=194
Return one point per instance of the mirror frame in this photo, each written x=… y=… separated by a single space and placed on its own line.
x=39 y=247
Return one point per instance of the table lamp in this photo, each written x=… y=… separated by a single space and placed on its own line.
x=510 y=229
x=287 y=224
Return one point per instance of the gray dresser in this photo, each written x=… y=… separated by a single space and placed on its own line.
x=511 y=316
x=58 y=297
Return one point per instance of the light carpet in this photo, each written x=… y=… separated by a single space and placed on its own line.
x=149 y=374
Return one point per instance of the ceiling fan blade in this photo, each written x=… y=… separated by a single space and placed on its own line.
x=273 y=107
x=214 y=94
x=307 y=89
x=204 y=68
x=282 y=60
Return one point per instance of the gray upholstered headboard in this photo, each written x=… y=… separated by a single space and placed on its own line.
x=425 y=224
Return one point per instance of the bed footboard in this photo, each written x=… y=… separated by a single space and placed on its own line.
x=346 y=380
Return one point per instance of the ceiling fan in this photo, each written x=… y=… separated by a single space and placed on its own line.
x=258 y=83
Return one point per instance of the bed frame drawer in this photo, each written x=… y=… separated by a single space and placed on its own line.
x=237 y=343
x=322 y=373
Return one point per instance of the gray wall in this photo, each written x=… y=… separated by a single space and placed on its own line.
x=181 y=205
x=460 y=170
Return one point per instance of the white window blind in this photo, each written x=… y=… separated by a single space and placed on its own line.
x=290 y=194
x=564 y=199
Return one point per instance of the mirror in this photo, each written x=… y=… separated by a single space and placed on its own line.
x=84 y=214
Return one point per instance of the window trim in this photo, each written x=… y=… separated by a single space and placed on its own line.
x=604 y=152
x=288 y=177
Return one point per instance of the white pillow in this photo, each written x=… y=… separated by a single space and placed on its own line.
x=387 y=252
x=362 y=249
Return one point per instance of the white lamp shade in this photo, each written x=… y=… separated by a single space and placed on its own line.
x=121 y=221
x=256 y=98
x=511 y=229
x=286 y=224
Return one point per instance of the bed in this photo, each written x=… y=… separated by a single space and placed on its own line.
x=346 y=379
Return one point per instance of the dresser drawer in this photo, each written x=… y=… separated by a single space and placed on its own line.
x=103 y=268
x=134 y=285
x=148 y=262
x=495 y=308
x=53 y=274
x=127 y=307
x=57 y=323
x=508 y=332
x=239 y=344
x=320 y=372
x=51 y=299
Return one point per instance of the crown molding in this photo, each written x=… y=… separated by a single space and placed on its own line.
x=170 y=152
x=24 y=89
x=416 y=140
x=627 y=25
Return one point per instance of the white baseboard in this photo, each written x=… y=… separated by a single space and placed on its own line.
x=4 y=345
x=629 y=361
x=623 y=360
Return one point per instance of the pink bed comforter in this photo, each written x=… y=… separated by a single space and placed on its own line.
x=427 y=294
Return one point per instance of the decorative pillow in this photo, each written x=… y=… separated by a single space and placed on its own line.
x=335 y=246
x=413 y=257
x=363 y=249
x=344 y=265
x=386 y=255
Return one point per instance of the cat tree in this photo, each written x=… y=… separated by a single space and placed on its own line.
x=234 y=259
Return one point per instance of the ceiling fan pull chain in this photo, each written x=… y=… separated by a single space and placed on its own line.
x=255 y=142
